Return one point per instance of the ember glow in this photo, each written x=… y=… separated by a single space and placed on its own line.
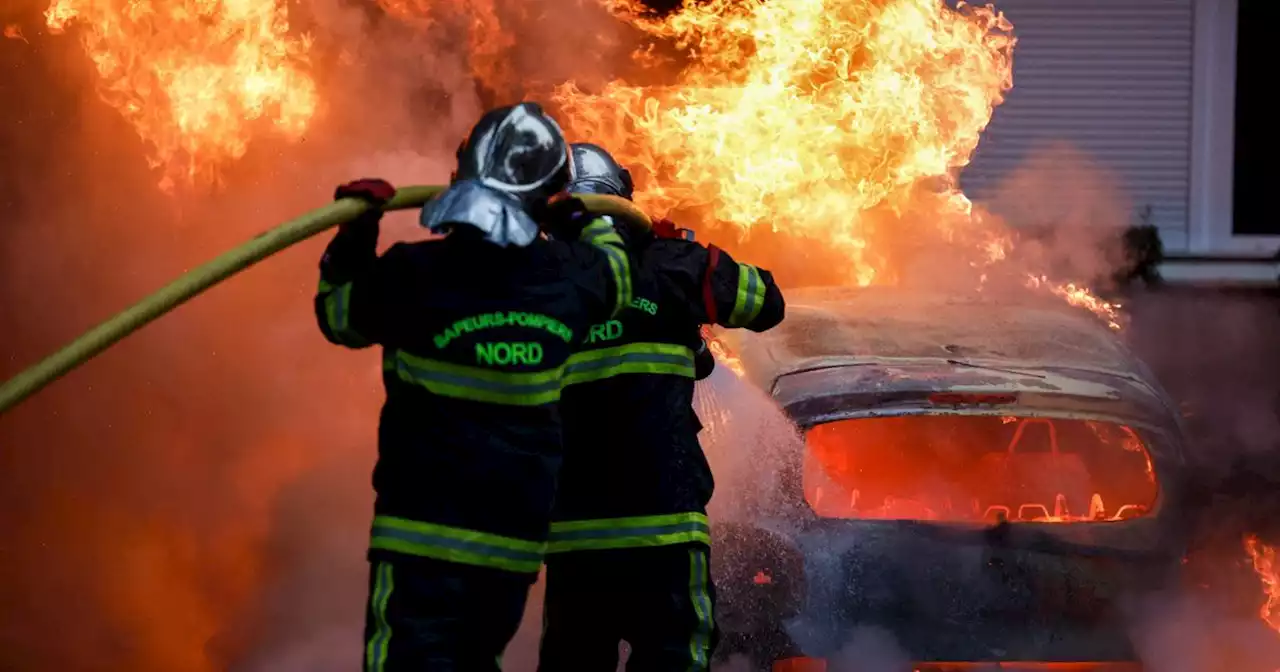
x=1264 y=563
x=977 y=469
x=14 y=32
x=196 y=78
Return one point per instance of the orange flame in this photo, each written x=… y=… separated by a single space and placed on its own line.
x=1264 y=563
x=1080 y=297
x=845 y=122
x=195 y=77
x=839 y=121
x=809 y=114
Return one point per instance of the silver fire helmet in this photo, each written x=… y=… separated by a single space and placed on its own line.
x=518 y=150
x=513 y=160
x=597 y=172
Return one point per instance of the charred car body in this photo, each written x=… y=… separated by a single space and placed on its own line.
x=984 y=482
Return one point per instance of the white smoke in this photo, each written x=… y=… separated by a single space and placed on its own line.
x=870 y=650
x=1182 y=631
x=748 y=441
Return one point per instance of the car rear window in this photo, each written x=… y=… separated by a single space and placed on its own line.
x=980 y=469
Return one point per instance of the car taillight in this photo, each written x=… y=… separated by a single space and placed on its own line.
x=800 y=665
x=820 y=665
x=1027 y=667
x=971 y=398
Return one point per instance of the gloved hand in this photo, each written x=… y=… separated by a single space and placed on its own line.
x=354 y=248
x=665 y=228
x=373 y=190
x=704 y=362
x=563 y=217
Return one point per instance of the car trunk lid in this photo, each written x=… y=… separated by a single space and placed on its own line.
x=975 y=590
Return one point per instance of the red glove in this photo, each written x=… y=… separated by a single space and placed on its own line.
x=563 y=217
x=372 y=190
x=665 y=228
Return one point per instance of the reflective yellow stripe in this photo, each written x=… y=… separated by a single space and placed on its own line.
x=640 y=531
x=337 y=312
x=375 y=652
x=620 y=266
x=700 y=597
x=750 y=298
x=474 y=383
x=657 y=358
x=602 y=234
x=456 y=544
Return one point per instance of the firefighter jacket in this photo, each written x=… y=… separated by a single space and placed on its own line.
x=634 y=474
x=474 y=342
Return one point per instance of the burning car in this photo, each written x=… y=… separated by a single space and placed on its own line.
x=979 y=483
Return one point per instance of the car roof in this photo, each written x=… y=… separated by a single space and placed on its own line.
x=879 y=323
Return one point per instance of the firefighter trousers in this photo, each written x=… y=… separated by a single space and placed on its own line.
x=425 y=614
x=660 y=600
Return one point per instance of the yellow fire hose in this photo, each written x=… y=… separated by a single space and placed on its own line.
x=112 y=331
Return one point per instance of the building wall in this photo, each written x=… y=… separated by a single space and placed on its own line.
x=1105 y=86
x=1144 y=90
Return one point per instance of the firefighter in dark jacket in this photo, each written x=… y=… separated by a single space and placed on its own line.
x=629 y=552
x=475 y=330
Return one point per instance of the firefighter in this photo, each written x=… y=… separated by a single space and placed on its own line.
x=629 y=553
x=475 y=329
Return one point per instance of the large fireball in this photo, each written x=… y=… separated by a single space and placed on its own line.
x=837 y=126
x=808 y=115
